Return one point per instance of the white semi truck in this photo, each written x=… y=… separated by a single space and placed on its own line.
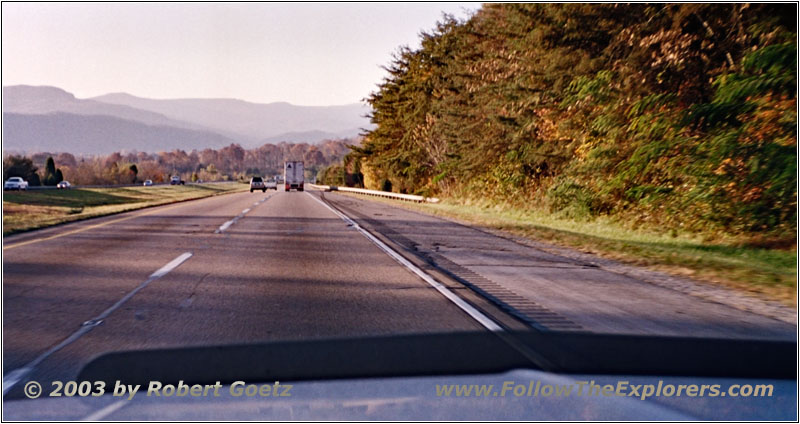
x=293 y=175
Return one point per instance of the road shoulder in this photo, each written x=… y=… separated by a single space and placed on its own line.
x=710 y=305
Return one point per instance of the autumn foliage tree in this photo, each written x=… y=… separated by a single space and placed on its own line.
x=670 y=115
x=228 y=163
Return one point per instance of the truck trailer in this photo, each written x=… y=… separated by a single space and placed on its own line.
x=293 y=175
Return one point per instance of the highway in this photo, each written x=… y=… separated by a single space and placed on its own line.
x=259 y=267
x=288 y=269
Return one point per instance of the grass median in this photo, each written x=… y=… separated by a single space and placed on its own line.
x=767 y=272
x=34 y=209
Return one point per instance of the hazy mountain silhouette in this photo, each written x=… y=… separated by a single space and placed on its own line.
x=256 y=121
x=32 y=100
x=51 y=119
x=98 y=134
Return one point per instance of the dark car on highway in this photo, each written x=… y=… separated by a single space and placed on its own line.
x=257 y=183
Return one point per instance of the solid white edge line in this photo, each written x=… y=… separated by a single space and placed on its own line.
x=15 y=376
x=461 y=303
x=106 y=411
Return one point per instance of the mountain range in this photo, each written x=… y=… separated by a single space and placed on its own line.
x=42 y=118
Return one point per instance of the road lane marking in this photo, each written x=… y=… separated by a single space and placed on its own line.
x=477 y=315
x=171 y=265
x=164 y=270
x=241 y=215
x=224 y=226
x=106 y=411
x=15 y=376
x=82 y=229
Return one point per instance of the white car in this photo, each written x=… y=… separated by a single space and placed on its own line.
x=64 y=185
x=15 y=183
x=271 y=184
x=148 y=183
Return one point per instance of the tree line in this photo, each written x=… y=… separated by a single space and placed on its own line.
x=677 y=116
x=226 y=164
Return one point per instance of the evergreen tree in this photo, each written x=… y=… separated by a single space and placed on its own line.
x=19 y=166
x=50 y=172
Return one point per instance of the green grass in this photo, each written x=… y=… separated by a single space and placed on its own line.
x=34 y=209
x=769 y=272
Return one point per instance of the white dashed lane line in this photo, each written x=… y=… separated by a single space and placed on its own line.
x=241 y=215
x=108 y=410
x=17 y=375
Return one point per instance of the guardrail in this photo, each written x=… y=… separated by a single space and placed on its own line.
x=386 y=194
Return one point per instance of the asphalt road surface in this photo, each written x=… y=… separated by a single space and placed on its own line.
x=254 y=267
x=286 y=269
x=556 y=289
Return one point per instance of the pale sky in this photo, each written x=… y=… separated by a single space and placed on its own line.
x=301 y=53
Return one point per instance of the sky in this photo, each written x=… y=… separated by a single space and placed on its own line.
x=302 y=53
